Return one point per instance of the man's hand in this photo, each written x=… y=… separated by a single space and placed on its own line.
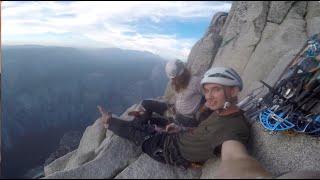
x=136 y=113
x=159 y=129
x=105 y=116
x=237 y=163
x=173 y=128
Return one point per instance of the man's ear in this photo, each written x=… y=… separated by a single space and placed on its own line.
x=235 y=91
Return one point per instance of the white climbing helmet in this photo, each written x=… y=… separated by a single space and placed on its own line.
x=174 y=68
x=222 y=75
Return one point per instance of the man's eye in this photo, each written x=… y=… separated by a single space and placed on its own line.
x=218 y=89
x=215 y=89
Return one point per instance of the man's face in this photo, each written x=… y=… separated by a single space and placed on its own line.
x=214 y=95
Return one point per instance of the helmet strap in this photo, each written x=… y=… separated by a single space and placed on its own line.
x=226 y=105
x=228 y=98
x=229 y=101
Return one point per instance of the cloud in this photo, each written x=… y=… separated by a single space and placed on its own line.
x=166 y=46
x=113 y=24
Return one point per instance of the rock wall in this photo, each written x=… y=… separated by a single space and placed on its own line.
x=68 y=143
x=267 y=36
x=261 y=38
x=101 y=154
x=147 y=168
x=258 y=39
x=203 y=52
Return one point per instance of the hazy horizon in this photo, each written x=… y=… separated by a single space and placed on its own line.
x=167 y=29
x=78 y=48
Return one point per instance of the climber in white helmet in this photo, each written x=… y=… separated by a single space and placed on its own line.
x=221 y=124
x=188 y=99
x=223 y=80
x=221 y=87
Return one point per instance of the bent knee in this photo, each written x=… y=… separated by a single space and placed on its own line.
x=145 y=103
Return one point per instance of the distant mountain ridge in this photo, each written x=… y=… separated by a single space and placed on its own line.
x=49 y=89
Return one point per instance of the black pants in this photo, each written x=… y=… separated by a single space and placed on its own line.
x=160 y=107
x=154 y=106
x=142 y=133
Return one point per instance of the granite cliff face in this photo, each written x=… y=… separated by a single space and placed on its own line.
x=258 y=39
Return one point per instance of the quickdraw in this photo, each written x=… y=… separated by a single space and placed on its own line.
x=288 y=106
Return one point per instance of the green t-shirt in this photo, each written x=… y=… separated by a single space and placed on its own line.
x=200 y=144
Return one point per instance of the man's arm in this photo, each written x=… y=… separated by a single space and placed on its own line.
x=237 y=163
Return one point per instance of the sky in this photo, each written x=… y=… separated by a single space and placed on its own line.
x=168 y=29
